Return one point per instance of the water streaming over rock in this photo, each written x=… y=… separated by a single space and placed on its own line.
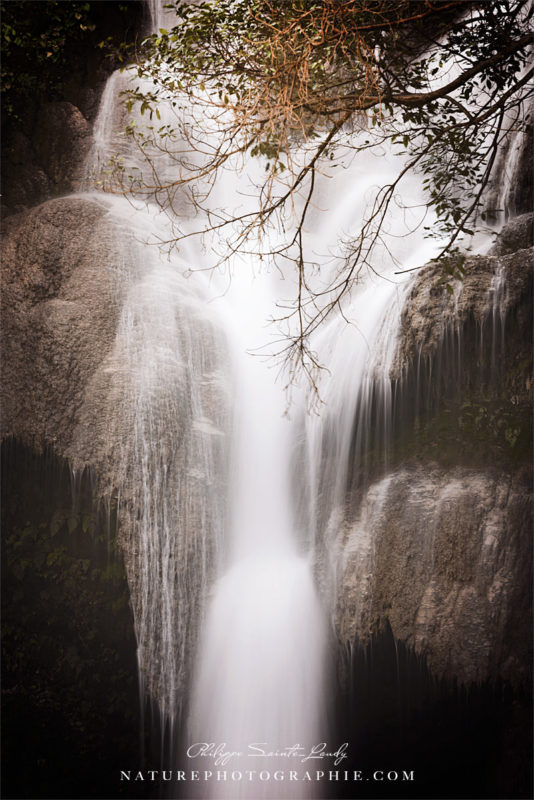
x=179 y=363
x=171 y=410
x=231 y=508
x=166 y=387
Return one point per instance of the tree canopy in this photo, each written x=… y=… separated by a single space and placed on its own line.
x=45 y=44
x=444 y=81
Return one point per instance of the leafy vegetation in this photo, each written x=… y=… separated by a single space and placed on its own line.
x=44 y=43
x=300 y=84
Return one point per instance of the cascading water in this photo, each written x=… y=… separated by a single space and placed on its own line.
x=260 y=673
x=225 y=509
x=170 y=390
x=303 y=567
x=167 y=385
x=179 y=350
x=261 y=656
x=261 y=679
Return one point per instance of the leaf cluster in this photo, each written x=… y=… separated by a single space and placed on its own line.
x=299 y=83
x=44 y=43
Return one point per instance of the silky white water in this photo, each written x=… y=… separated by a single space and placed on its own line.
x=260 y=661
x=226 y=494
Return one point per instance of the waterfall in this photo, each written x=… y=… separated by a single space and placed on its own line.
x=261 y=657
x=178 y=363
x=221 y=511
x=171 y=392
x=228 y=503
x=166 y=386
x=268 y=582
x=262 y=676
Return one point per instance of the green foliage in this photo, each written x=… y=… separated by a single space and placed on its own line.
x=300 y=84
x=452 y=266
x=43 y=42
x=34 y=40
x=56 y=583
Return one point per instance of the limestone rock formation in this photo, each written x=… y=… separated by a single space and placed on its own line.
x=449 y=563
x=51 y=162
x=64 y=140
x=58 y=320
x=86 y=304
x=518 y=234
x=430 y=309
x=447 y=567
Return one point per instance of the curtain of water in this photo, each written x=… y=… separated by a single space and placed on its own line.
x=244 y=495
x=180 y=361
x=167 y=386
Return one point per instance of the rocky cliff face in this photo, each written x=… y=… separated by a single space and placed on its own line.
x=447 y=567
x=448 y=564
x=88 y=371
x=59 y=316
x=498 y=282
x=48 y=162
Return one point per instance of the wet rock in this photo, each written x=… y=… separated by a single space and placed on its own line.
x=518 y=234
x=85 y=310
x=438 y=547
x=61 y=146
x=448 y=568
x=510 y=189
x=24 y=182
x=490 y=282
x=48 y=163
x=522 y=195
x=58 y=319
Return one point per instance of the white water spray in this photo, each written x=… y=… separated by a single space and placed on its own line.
x=260 y=671
x=241 y=497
